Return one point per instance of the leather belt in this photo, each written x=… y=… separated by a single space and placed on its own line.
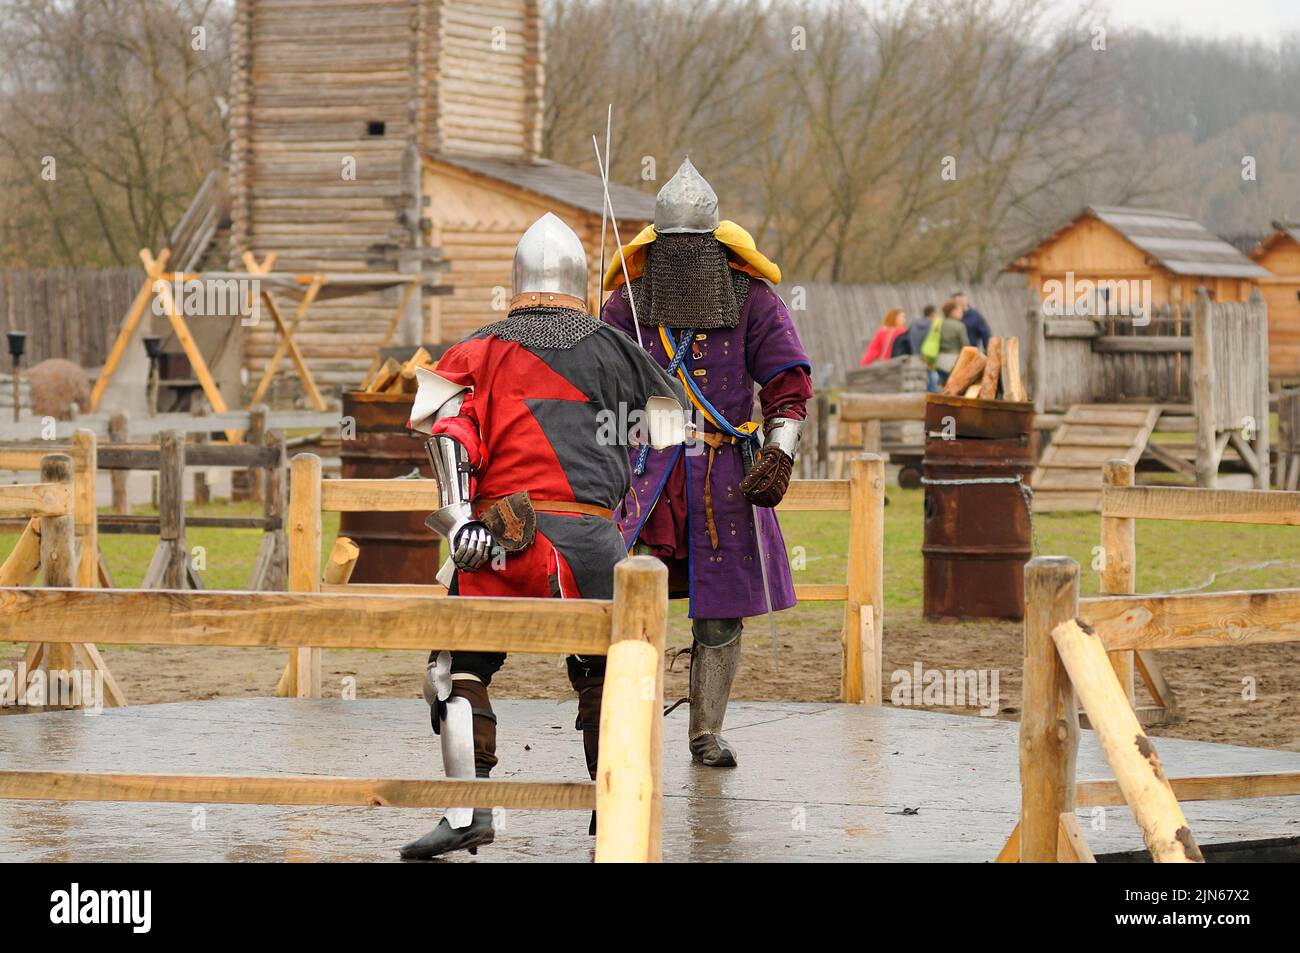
x=715 y=439
x=554 y=506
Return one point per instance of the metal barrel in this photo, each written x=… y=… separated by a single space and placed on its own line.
x=978 y=534
x=395 y=547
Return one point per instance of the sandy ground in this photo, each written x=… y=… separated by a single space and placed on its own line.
x=1213 y=685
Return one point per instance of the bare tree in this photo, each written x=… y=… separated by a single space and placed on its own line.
x=111 y=118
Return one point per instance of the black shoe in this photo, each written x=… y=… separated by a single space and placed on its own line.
x=444 y=838
x=591 y=828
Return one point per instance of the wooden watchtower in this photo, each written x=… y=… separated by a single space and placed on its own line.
x=394 y=135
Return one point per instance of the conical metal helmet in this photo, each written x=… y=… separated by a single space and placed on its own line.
x=686 y=204
x=550 y=259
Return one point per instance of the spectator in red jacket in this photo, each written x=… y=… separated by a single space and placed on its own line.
x=882 y=342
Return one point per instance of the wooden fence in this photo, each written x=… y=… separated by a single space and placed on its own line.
x=629 y=629
x=1122 y=503
x=862 y=495
x=49 y=547
x=1066 y=666
x=71 y=313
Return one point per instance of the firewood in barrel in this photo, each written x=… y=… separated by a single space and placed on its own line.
x=967 y=371
x=1013 y=388
x=992 y=370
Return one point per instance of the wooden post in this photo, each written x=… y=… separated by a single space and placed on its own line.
x=1203 y=389
x=1132 y=757
x=629 y=775
x=338 y=570
x=118 y=430
x=823 y=422
x=273 y=497
x=59 y=565
x=256 y=435
x=304 y=563
x=1263 y=427
x=861 y=675
x=1119 y=561
x=84 y=513
x=202 y=492
x=1049 y=723
x=171 y=508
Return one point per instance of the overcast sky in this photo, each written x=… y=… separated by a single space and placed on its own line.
x=1250 y=19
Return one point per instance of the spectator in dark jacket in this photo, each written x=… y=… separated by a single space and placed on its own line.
x=977 y=329
x=918 y=329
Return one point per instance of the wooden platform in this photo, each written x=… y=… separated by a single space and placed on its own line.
x=816 y=782
x=1068 y=476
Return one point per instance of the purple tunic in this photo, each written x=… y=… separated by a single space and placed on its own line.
x=726 y=365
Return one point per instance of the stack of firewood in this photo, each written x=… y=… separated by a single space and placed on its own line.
x=988 y=376
x=396 y=377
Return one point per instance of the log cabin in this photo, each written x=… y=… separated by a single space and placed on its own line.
x=396 y=135
x=1279 y=254
x=1176 y=254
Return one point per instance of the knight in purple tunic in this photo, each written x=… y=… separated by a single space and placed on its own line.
x=707 y=313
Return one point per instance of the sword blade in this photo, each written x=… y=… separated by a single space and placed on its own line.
x=767 y=587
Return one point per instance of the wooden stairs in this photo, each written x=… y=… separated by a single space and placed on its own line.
x=1068 y=475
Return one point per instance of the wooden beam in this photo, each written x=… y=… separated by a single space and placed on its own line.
x=1131 y=754
x=1071 y=846
x=861 y=674
x=85 y=514
x=378 y=496
x=804 y=495
x=152 y=269
x=629 y=775
x=1049 y=723
x=305 y=619
x=290 y=789
x=36 y=499
x=812 y=592
x=902 y=406
x=1277 y=507
x=1210 y=787
x=1119 y=560
x=23 y=564
x=304 y=529
x=1194 y=620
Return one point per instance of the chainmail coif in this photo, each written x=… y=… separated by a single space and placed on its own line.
x=688 y=284
x=544 y=327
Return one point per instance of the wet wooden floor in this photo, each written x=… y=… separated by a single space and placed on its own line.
x=815 y=782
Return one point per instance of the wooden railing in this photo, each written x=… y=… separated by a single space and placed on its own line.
x=1121 y=504
x=1066 y=665
x=55 y=510
x=629 y=629
x=862 y=495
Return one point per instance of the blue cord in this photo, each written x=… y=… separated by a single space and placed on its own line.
x=679 y=355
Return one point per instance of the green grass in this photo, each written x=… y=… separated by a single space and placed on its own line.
x=1171 y=555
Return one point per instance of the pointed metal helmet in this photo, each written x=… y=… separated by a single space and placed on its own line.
x=550 y=259
x=686 y=204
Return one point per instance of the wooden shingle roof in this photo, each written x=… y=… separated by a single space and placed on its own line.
x=1179 y=244
x=561 y=183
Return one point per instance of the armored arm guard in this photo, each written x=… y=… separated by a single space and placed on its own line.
x=467 y=538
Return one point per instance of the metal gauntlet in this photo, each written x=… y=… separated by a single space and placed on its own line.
x=467 y=538
x=783 y=434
